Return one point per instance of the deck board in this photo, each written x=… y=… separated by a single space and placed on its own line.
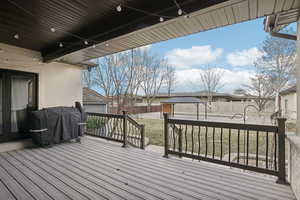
x=97 y=169
x=245 y=190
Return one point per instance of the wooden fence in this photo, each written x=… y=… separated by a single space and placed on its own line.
x=136 y=109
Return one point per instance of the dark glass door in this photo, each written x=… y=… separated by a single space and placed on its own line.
x=18 y=98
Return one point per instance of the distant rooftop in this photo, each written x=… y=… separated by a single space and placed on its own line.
x=195 y=94
x=182 y=100
x=92 y=97
x=288 y=90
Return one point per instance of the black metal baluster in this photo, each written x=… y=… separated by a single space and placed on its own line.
x=102 y=128
x=213 y=143
x=247 y=148
x=238 y=147
x=180 y=140
x=96 y=130
x=128 y=132
x=186 y=143
x=132 y=137
x=120 y=125
x=120 y=134
x=114 y=134
x=229 y=146
x=174 y=137
x=275 y=151
x=206 y=141
x=108 y=134
x=221 y=155
x=257 y=144
x=199 y=140
x=267 y=150
x=192 y=139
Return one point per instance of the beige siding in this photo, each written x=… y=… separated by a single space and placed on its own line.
x=59 y=84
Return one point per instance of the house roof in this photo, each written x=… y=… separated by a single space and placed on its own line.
x=183 y=100
x=82 y=28
x=196 y=94
x=292 y=89
x=92 y=97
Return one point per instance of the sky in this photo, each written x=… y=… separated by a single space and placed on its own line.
x=232 y=49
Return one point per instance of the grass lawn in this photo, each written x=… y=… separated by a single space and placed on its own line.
x=154 y=130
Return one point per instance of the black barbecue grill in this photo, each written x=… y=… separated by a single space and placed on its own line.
x=57 y=124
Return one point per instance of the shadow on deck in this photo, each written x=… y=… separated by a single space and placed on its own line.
x=97 y=169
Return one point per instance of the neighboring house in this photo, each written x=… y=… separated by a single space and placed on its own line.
x=201 y=95
x=288 y=103
x=94 y=102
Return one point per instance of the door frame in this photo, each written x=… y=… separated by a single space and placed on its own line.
x=6 y=102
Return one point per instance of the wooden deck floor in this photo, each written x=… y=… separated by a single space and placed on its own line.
x=101 y=170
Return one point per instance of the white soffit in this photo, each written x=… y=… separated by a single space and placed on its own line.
x=223 y=14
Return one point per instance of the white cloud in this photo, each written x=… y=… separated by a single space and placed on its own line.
x=231 y=79
x=245 y=57
x=147 y=47
x=197 y=55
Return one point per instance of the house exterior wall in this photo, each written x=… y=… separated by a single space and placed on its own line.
x=294 y=153
x=289 y=106
x=294 y=164
x=59 y=84
x=224 y=108
x=100 y=108
x=157 y=100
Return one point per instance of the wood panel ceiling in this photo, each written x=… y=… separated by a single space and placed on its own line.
x=75 y=21
x=98 y=21
x=222 y=14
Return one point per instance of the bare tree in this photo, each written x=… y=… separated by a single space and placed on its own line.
x=153 y=76
x=170 y=79
x=211 y=79
x=118 y=76
x=124 y=75
x=278 y=62
x=88 y=78
x=102 y=77
x=260 y=90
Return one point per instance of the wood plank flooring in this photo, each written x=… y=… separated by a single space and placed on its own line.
x=101 y=170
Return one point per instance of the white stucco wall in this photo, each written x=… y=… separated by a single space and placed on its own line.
x=298 y=77
x=294 y=141
x=58 y=85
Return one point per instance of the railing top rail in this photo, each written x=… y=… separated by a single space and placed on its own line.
x=132 y=121
x=105 y=115
x=241 y=126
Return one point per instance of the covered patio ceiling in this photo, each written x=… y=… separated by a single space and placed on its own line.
x=76 y=31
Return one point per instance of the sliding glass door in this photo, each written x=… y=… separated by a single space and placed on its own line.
x=18 y=92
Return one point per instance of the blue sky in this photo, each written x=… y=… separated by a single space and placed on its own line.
x=231 y=48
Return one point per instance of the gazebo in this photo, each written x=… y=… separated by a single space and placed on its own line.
x=169 y=104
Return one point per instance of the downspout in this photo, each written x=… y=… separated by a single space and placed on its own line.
x=283 y=35
x=270 y=24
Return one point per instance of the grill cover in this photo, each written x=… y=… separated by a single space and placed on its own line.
x=62 y=124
